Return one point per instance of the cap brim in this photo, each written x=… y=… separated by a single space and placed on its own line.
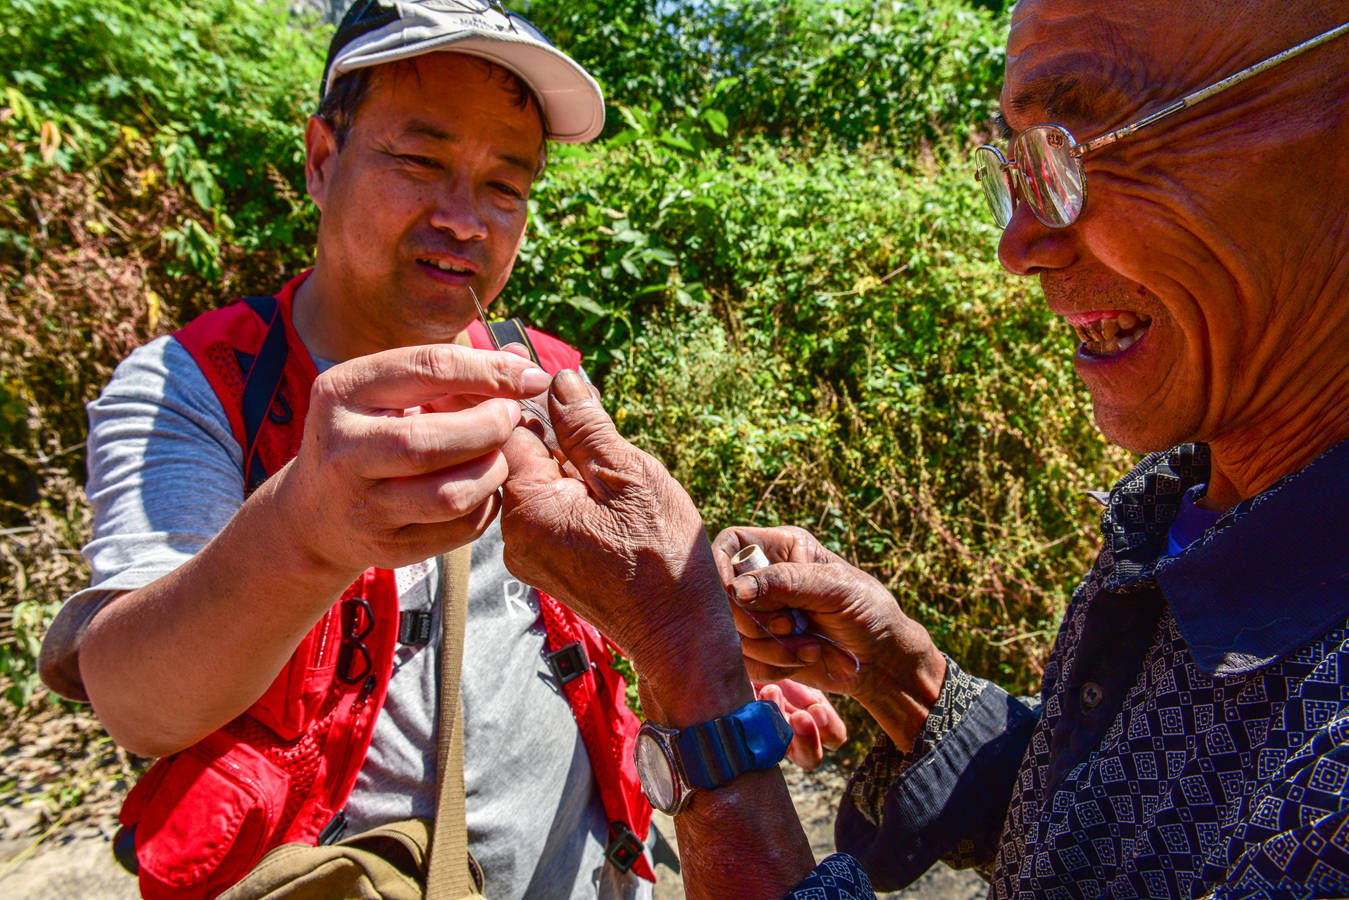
x=573 y=104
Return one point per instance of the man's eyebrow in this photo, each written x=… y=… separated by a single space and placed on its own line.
x=1063 y=96
x=423 y=128
x=427 y=129
x=1001 y=129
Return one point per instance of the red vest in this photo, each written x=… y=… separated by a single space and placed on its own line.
x=283 y=770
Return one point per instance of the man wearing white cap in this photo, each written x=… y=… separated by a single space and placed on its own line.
x=274 y=487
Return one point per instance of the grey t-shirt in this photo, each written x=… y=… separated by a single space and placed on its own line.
x=165 y=476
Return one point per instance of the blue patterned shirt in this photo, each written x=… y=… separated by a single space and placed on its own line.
x=1191 y=738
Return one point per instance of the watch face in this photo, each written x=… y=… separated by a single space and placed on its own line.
x=655 y=772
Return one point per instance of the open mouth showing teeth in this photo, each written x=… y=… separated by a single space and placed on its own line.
x=446 y=267
x=1105 y=334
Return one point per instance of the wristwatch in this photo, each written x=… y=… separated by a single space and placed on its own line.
x=673 y=764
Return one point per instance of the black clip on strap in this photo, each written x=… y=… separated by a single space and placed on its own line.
x=414 y=627
x=624 y=848
x=569 y=663
x=512 y=331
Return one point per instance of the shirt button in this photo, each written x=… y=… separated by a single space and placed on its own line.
x=1092 y=695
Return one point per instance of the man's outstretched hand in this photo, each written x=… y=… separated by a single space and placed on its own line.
x=401 y=457
x=898 y=671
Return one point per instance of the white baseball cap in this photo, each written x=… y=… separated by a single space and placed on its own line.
x=374 y=32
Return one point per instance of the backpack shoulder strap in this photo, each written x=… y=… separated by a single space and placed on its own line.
x=248 y=353
x=552 y=354
x=261 y=383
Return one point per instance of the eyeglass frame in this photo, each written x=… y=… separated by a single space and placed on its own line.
x=1077 y=150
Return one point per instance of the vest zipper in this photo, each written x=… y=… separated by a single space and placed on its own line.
x=357 y=725
x=321 y=652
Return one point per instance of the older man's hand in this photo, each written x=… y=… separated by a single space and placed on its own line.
x=898 y=671
x=621 y=543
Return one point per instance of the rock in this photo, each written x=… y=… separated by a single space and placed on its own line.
x=60 y=869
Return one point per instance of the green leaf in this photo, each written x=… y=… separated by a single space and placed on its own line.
x=672 y=140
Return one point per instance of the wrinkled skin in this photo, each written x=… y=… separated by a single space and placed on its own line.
x=622 y=544
x=899 y=671
x=1225 y=224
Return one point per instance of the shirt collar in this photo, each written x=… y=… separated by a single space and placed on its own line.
x=1272 y=573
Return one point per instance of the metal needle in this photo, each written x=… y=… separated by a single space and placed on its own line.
x=529 y=405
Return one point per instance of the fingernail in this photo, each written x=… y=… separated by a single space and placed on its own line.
x=809 y=653
x=535 y=427
x=570 y=387
x=744 y=590
x=535 y=380
x=782 y=626
x=819 y=714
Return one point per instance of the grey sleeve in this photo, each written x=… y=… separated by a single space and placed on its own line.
x=165 y=475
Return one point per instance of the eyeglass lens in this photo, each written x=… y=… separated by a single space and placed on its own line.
x=358 y=620
x=1051 y=177
x=1047 y=176
x=997 y=190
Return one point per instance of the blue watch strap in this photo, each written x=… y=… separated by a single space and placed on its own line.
x=755 y=736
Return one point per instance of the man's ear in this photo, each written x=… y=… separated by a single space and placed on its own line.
x=320 y=155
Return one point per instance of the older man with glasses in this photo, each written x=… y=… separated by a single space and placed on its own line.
x=1191 y=738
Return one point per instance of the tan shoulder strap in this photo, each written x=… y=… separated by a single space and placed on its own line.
x=447 y=871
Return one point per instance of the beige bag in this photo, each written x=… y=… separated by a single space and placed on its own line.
x=385 y=863
x=391 y=862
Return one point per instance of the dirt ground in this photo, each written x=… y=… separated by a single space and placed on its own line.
x=57 y=818
x=816 y=795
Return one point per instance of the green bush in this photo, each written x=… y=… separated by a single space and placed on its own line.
x=215 y=86
x=802 y=71
x=862 y=367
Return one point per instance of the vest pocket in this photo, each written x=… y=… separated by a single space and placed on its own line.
x=206 y=819
x=294 y=698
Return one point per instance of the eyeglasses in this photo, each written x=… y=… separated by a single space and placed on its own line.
x=1046 y=166
x=354 y=661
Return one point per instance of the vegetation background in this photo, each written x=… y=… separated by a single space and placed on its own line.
x=775 y=259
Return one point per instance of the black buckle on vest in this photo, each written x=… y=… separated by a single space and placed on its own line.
x=333 y=831
x=414 y=627
x=569 y=663
x=624 y=848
